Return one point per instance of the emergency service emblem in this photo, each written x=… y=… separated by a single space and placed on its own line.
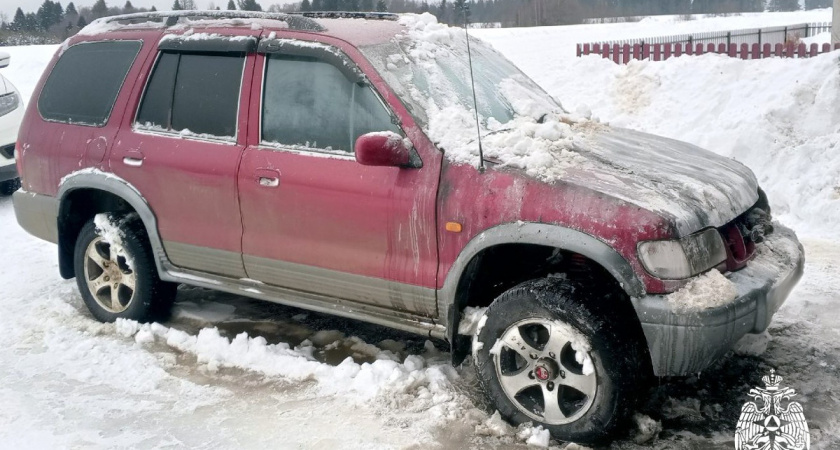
x=772 y=426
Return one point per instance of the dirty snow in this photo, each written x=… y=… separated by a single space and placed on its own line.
x=111 y=232
x=67 y=381
x=705 y=291
x=472 y=320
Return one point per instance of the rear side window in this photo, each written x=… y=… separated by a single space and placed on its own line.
x=193 y=93
x=308 y=102
x=84 y=83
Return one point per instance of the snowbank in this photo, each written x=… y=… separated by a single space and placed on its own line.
x=777 y=116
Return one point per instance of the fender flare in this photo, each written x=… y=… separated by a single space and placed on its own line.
x=112 y=184
x=539 y=234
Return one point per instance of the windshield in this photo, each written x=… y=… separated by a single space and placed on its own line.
x=428 y=68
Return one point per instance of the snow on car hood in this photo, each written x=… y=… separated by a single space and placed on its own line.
x=692 y=187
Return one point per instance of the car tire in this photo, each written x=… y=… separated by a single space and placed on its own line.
x=9 y=187
x=532 y=347
x=116 y=274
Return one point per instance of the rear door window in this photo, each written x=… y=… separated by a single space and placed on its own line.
x=309 y=102
x=85 y=82
x=193 y=94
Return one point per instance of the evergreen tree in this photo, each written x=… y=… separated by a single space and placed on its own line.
x=443 y=12
x=128 y=8
x=317 y=5
x=305 y=5
x=99 y=9
x=249 y=5
x=19 y=22
x=153 y=9
x=366 y=5
x=231 y=6
x=71 y=10
x=381 y=6
x=783 y=5
x=176 y=6
x=814 y=4
x=461 y=10
x=81 y=23
x=48 y=14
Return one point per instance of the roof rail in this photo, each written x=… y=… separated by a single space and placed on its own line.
x=347 y=15
x=295 y=22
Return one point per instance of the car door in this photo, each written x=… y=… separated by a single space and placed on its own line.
x=316 y=220
x=184 y=146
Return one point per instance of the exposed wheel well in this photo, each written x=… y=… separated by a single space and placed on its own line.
x=499 y=268
x=77 y=207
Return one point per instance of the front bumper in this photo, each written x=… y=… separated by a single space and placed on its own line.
x=688 y=342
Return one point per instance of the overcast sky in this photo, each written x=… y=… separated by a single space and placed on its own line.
x=8 y=7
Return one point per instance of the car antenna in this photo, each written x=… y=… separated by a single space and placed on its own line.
x=472 y=82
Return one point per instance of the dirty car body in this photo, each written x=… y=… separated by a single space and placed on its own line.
x=241 y=207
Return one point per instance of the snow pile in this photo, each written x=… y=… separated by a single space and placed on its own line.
x=111 y=232
x=753 y=344
x=778 y=116
x=705 y=291
x=419 y=383
x=647 y=429
x=472 y=320
x=535 y=436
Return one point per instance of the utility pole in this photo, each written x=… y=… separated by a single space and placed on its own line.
x=835 y=24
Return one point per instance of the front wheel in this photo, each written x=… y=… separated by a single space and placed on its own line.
x=115 y=272
x=544 y=356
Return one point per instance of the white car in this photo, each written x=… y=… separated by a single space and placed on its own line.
x=11 y=113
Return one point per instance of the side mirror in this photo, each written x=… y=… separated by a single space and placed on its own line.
x=385 y=148
x=4 y=59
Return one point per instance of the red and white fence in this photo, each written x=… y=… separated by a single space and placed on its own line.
x=624 y=53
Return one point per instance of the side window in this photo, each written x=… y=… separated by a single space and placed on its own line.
x=308 y=102
x=84 y=83
x=195 y=93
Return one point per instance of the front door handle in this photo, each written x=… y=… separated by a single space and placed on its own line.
x=133 y=162
x=133 y=158
x=267 y=177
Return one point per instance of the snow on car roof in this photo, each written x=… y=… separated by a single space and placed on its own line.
x=376 y=28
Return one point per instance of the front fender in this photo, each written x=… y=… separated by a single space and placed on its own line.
x=539 y=234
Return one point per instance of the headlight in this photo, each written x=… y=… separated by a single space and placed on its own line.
x=8 y=103
x=683 y=258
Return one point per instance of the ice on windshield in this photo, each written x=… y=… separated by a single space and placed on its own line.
x=428 y=67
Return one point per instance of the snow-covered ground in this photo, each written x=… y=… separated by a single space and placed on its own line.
x=197 y=381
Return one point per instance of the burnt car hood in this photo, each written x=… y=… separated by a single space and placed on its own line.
x=691 y=187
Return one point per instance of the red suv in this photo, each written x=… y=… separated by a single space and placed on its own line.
x=331 y=162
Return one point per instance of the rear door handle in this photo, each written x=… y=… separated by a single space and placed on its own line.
x=267 y=177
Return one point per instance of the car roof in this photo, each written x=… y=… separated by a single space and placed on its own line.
x=358 y=29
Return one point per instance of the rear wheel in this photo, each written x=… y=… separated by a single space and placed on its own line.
x=545 y=356
x=9 y=187
x=116 y=274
